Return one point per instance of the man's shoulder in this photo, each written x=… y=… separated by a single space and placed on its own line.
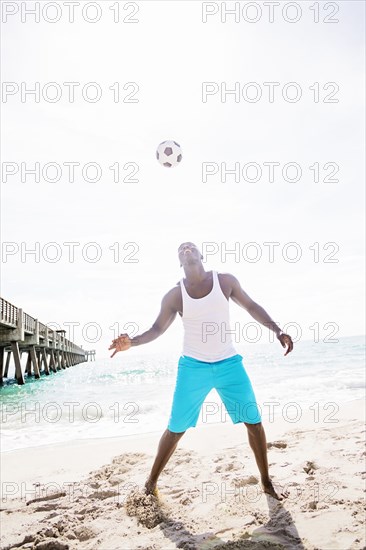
x=227 y=282
x=173 y=292
x=228 y=277
x=172 y=297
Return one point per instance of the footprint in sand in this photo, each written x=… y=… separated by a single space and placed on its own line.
x=310 y=467
x=103 y=494
x=176 y=493
x=126 y=460
x=52 y=496
x=43 y=540
x=45 y=507
x=116 y=479
x=185 y=501
x=219 y=458
x=185 y=460
x=242 y=481
x=182 y=457
x=88 y=510
x=135 y=458
x=115 y=473
x=229 y=467
x=277 y=444
x=126 y=456
x=51 y=544
x=84 y=533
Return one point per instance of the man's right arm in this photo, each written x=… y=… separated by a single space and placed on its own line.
x=163 y=321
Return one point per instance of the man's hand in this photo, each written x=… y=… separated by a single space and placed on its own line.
x=286 y=340
x=121 y=343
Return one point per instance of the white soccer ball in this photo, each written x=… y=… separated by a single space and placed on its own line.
x=169 y=153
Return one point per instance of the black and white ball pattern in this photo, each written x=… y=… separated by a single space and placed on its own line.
x=169 y=153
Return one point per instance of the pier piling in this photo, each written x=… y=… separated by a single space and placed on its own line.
x=47 y=350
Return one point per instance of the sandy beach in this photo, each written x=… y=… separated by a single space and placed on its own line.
x=87 y=494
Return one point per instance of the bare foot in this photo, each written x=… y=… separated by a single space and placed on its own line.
x=270 y=490
x=151 y=489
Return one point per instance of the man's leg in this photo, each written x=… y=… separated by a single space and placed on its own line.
x=258 y=443
x=191 y=388
x=167 y=445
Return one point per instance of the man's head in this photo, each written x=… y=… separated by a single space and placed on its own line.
x=188 y=254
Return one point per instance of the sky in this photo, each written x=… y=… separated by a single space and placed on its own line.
x=125 y=234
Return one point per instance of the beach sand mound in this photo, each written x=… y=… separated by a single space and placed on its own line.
x=145 y=508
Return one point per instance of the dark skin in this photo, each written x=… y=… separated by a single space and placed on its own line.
x=199 y=283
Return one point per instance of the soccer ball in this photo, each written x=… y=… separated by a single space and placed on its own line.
x=169 y=153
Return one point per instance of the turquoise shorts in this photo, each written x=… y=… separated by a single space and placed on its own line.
x=195 y=379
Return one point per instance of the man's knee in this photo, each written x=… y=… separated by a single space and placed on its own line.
x=175 y=435
x=254 y=428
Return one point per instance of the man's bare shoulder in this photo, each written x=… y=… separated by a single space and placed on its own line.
x=175 y=291
x=227 y=278
x=173 y=296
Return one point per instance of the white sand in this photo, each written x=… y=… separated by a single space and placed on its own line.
x=209 y=493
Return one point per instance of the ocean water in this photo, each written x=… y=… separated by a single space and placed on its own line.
x=109 y=399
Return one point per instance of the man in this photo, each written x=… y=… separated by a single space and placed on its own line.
x=209 y=359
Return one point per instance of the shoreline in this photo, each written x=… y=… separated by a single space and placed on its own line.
x=267 y=421
x=91 y=453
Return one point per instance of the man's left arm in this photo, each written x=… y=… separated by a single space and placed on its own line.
x=240 y=297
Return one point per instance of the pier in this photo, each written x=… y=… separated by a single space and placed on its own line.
x=47 y=350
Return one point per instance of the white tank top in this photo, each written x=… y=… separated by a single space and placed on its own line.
x=206 y=325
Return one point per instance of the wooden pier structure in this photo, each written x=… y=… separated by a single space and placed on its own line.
x=47 y=348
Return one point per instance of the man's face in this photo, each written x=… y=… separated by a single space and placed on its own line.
x=188 y=253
